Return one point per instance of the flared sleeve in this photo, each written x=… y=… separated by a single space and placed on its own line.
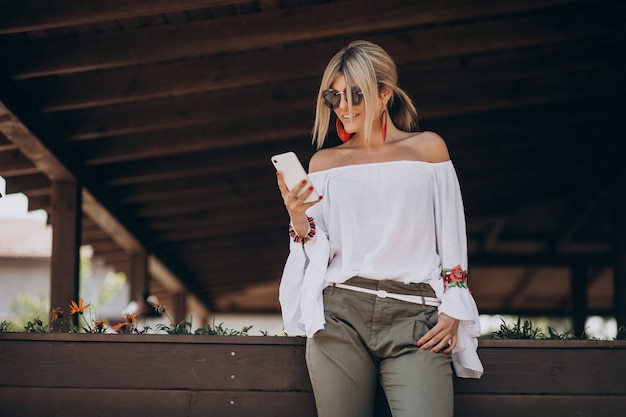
x=456 y=299
x=302 y=283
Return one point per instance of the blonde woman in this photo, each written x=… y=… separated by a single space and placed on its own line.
x=376 y=277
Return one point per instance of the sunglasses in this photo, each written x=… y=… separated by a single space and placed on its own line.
x=332 y=98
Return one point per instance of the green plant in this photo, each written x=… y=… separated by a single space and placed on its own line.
x=5 y=326
x=58 y=323
x=220 y=330
x=184 y=327
x=36 y=326
x=554 y=335
x=518 y=330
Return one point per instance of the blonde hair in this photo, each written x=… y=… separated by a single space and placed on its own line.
x=368 y=66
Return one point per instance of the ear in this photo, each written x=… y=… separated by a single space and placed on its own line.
x=385 y=94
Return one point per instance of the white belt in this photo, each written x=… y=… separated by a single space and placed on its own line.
x=417 y=299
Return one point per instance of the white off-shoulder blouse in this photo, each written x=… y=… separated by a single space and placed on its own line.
x=398 y=220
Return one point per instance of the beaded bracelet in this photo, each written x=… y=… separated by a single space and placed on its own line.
x=297 y=238
x=454 y=277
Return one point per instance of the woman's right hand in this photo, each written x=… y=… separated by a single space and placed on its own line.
x=296 y=206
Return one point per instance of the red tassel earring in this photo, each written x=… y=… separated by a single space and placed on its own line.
x=384 y=128
x=343 y=135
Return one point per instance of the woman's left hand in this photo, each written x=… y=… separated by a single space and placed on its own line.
x=443 y=335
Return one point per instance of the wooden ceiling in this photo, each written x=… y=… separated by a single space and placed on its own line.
x=168 y=112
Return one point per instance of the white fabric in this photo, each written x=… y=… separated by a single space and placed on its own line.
x=399 y=220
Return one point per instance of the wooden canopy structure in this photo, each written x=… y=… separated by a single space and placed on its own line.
x=145 y=128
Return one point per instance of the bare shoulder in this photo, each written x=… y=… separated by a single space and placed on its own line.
x=431 y=147
x=323 y=159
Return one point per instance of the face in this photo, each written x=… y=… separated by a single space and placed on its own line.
x=352 y=121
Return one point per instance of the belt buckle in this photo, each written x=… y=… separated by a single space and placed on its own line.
x=382 y=293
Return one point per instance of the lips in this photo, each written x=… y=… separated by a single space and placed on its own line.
x=349 y=117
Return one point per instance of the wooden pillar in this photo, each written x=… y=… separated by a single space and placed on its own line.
x=578 y=273
x=66 y=232
x=619 y=270
x=180 y=307
x=138 y=278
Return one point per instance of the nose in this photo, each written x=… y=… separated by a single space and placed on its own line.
x=343 y=102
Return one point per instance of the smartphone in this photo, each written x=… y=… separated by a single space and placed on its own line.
x=292 y=171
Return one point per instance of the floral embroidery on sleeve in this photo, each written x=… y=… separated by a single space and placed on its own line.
x=303 y=239
x=454 y=277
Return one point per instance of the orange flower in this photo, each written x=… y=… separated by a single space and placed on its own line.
x=99 y=324
x=121 y=326
x=131 y=318
x=78 y=308
x=56 y=314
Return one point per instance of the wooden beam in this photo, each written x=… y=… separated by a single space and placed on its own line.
x=109 y=224
x=6 y=144
x=40 y=202
x=64 y=262
x=14 y=163
x=30 y=15
x=239 y=187
x=203 y=203
x=32 y=184
x=431 y=67
x=189 y=139
x=212 y=219
x=322 y=21
x=194 y=164
x=192 y=110
x=226 y=106
x=30 y=146
x=164 y=276
x=276 y=238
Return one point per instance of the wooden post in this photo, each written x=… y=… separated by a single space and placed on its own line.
x=180 y=306
x=66 y=231
x=579 y=298
x=138 y=274
x=619 y=272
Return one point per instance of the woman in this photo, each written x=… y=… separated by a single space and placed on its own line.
x=376 y=275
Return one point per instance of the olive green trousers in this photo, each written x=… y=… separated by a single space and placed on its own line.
x=367 y=340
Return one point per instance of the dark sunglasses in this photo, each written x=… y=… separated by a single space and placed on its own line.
x=332 y=98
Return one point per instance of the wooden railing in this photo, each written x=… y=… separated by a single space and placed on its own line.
x=166 y=375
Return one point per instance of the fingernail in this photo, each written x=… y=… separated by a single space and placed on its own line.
x=423 y=348
x=321 y=197
x=277 y=173
x=419 y=344
x=311 y=188
x=303 y=181
x=433 y=351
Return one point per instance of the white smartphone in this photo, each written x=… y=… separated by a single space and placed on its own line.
x=293 y=172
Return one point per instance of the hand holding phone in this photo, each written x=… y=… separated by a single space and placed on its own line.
x=293 y=172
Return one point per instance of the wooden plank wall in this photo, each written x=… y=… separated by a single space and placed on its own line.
x=130 y=375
